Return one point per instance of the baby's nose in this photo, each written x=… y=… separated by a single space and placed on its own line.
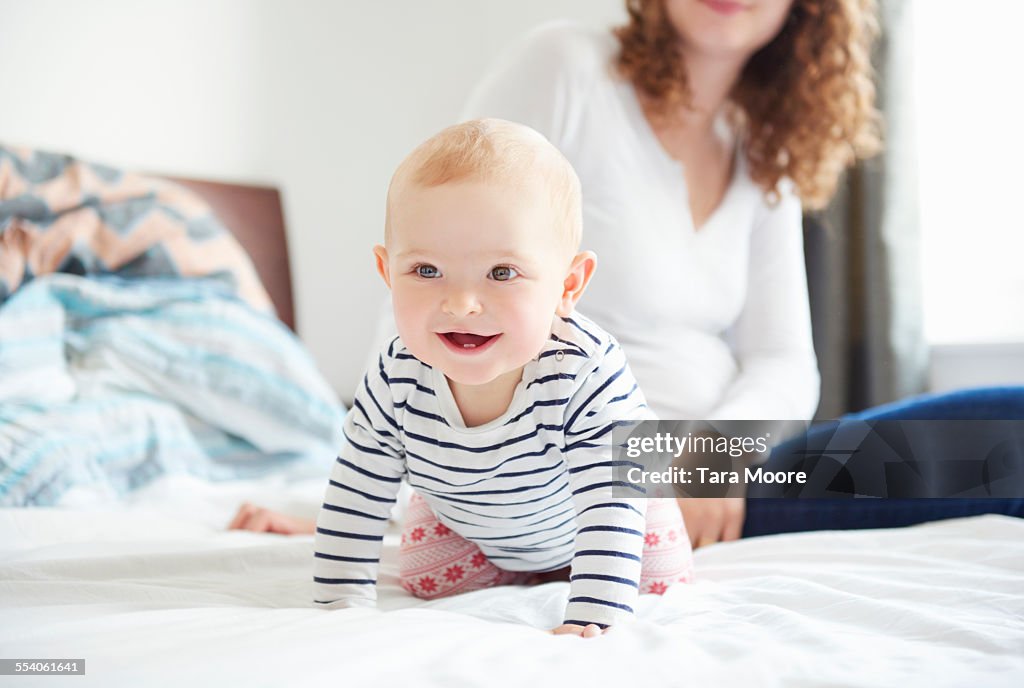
x=461 y=302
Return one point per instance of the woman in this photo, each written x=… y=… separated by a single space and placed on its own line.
x=696 y=130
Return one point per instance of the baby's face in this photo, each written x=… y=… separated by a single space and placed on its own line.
x=477 y=273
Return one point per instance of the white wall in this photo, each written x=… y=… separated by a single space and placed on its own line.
x=319 y=98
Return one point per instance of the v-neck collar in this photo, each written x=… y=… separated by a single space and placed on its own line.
x=450 y=409
x=651 y=143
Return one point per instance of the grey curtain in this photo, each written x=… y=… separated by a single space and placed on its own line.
x=863 y=253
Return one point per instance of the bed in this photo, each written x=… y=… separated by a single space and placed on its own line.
x=149 y=588
x=154 y=591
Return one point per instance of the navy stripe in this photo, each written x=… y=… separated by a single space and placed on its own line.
x=517 y=535
x=534 y=549
x=512 y=490
x=606 y=603
x=606 y=553
x=604 y=464
x=519 y=516
x=611 y=529
x=350 y=536
x=550 y=378
x=623 y=396
x=598 y=432
x=411 y=381
x=357 y=404
x=585 y=623
x=570 y=352
x=461 y=469
x=367 y=473
x=566 y=342
x=422 y=414
x=357 y=560
x=602 y=577
x=375 y=498
x=517 y=474
x=546 y=565
x=353 y=512
x=364 y=448
x=531 y=407
x=580 y=328
x=446 y=498
x=432 y=441
x=612 y=505
x=369 y=393
x=615 y=376
x=345 y=581
x=612 y=483
x=536 y=546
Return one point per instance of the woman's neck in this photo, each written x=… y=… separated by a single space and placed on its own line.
x=480 y=404
x=711 y=79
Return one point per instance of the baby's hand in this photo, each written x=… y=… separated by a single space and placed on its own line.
x=589 y=631
x=263 y=520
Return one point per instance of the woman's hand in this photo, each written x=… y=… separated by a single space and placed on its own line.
x=263 y=520
x=710 y=520
x=590 y=631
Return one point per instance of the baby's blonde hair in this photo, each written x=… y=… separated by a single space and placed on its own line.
x=493 y=151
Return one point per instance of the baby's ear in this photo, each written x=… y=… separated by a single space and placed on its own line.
x=381 y=254
x=580 y=272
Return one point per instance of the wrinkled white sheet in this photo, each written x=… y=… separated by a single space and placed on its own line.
x=155 y=592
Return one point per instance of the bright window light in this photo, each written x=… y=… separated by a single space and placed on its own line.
x=970 y=128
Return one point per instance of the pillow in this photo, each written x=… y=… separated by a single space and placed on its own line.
x=61 y=214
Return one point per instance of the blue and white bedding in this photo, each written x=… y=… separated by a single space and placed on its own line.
x=107 y=383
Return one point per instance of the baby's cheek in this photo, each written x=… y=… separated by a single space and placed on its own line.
x=533 y=330
x=408 y=308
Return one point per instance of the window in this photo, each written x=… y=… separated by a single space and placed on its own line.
x=970 y=128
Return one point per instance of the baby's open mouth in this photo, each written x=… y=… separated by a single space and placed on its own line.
x=465 y=340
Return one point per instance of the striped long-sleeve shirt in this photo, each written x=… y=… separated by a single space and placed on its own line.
x=532 y=489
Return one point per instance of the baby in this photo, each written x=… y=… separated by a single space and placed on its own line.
x=496 y=401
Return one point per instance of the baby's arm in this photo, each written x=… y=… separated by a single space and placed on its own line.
x=358 y=500
x=589 y=631
x=605 y=574
x=605 y=577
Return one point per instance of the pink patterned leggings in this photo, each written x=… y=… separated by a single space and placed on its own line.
x=434 y=561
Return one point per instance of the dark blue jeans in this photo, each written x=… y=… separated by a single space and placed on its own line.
x=766 y=516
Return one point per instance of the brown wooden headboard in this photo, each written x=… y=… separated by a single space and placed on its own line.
x=255 y=216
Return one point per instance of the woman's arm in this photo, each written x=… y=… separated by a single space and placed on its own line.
x=771 y=339
x=778 y=378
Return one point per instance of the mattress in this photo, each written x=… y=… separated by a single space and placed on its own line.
x=154 y=591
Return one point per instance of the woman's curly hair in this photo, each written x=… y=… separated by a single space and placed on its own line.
x=805 y=102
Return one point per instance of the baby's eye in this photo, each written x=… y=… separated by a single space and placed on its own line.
x=503 y=273
x=427 y=271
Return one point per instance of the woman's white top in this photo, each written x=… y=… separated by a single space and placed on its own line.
x=715 y=322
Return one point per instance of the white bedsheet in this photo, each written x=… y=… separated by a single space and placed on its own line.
x=155 y=592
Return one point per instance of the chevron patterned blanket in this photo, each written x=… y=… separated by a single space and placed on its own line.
x=60 y=214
